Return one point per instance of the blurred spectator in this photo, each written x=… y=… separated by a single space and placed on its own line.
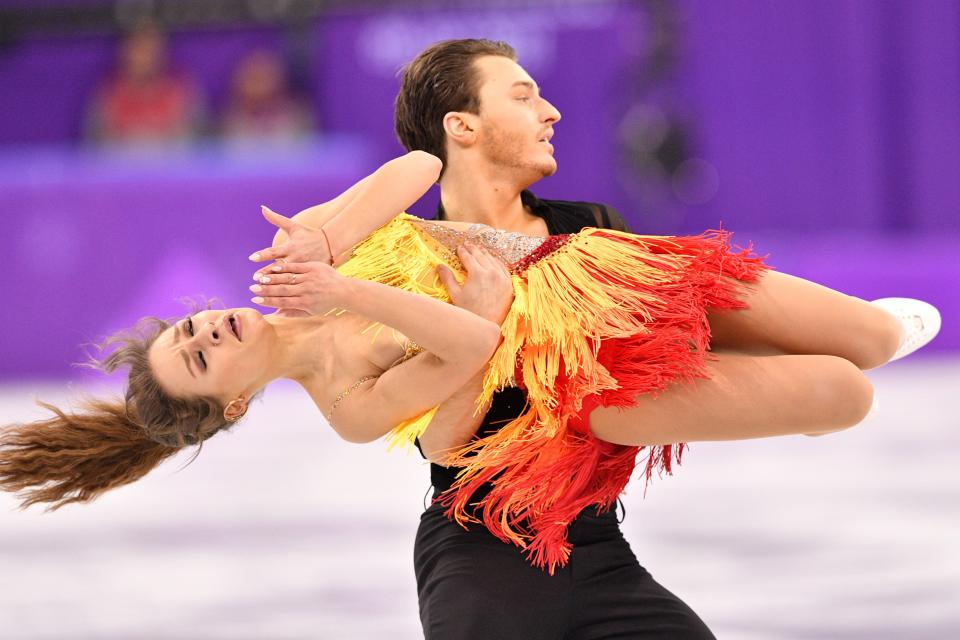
x=144 y=102
x=261 y=105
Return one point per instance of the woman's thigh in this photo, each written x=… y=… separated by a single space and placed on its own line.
x=791 y=315
x=744 y=397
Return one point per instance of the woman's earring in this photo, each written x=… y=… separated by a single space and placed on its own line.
x=235 y=409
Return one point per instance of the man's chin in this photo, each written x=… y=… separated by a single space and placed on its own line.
x=533 y=173
x=547 y=169
x=530 y=171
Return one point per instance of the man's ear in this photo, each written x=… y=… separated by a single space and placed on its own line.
x=235 y=409
x=461 y=127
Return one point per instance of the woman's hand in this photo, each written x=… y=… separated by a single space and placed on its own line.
x=488 y=289
x=312 y=287
x=302 y=243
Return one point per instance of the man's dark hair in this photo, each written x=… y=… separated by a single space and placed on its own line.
x=441 y=79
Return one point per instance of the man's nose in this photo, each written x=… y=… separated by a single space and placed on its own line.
x=550 y=113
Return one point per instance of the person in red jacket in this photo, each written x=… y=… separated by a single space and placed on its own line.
x=144 y=102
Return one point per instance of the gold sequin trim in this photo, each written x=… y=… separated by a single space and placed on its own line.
x=343 y=394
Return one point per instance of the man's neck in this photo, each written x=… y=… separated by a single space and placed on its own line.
x=470 y=196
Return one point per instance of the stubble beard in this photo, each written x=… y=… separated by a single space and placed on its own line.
x=507 y=152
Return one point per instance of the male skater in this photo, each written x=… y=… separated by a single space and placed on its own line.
x=469 y=103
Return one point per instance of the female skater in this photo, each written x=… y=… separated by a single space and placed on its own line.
x=193 y=378
x=603 y=327
x=644 y=320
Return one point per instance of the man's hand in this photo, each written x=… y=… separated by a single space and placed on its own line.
x=488 y=289
x=311 y=287
x=302 y=244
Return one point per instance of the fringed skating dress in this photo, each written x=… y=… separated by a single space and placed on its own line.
x=598 y=318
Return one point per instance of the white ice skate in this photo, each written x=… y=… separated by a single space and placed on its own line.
x=920 y=320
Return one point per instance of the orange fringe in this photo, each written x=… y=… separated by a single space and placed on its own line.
x=545 y=466
x=599 y=317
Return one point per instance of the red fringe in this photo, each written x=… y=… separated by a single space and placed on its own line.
x=542 y=479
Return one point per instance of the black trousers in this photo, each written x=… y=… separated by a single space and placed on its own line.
x=473 y=586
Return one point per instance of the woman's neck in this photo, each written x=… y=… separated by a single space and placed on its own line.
x=298 y=345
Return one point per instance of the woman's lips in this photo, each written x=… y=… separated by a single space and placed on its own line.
x=234 y=322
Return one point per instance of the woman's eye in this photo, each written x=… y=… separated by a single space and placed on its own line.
x=190 y=325
x=524 y=98
x=203 y=361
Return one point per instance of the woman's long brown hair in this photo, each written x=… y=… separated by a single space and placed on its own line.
x=77 y=456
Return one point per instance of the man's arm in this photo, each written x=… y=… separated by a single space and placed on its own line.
x=605 y=217
x=614 y=220
x=487 y=292
x=455 y=422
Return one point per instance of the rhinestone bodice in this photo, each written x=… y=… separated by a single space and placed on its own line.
x=509 y=246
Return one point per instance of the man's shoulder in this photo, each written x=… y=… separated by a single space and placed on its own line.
x=584 y=213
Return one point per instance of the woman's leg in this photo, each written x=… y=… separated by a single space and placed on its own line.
x=745 y=397
x=791 y=315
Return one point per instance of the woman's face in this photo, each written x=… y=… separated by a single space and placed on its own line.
x=220 y=354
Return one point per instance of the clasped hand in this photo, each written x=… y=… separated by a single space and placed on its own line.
x=301 y=279
x=302 y=243
x=310 y=287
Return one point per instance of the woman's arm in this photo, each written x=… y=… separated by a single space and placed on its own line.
x=391 y=189
x=456 y=347
x=458 y=344
x=335 y=227
x=318 y=214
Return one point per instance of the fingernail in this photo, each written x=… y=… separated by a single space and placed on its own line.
x=277 y=269
x=256 y=288
x=256 y=299
x=264 y=279
x=255 y=257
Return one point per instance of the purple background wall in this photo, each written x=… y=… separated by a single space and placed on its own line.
x=827 y=132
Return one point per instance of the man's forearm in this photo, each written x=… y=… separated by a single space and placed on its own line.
x=455 y=422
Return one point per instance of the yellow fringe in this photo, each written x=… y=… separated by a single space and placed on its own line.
x=400 y=255
x=404 y=434
x=566 y=305
x=563 y=307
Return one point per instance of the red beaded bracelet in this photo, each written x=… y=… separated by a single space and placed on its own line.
x=327 y=240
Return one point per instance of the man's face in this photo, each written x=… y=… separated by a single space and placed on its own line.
x=516 y=124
